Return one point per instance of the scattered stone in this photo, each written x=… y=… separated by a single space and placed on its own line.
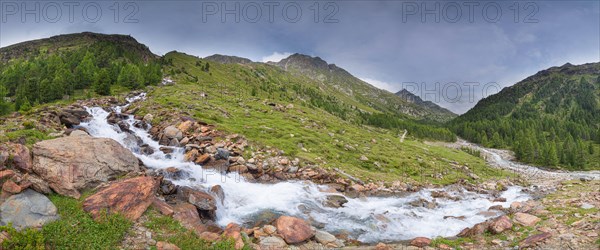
x=200 y=199
x=185 y=126
x=233 y=231
x=477 y=229
x=11 y=187
x=209 y=236
x=269 y=229
x=272 y=243
x=496 y=207
x=218 y=191
x=534 y=239
x=335 y=201
x=423 y=203
x=526 y=219
x=70 y=164
x=500 y=199
x=167 y=187
x=294 y=230
x=129 y=198
x=188 y=217
x=364 y=158
x=382 y=246
x=222 y=154
x=204 y=158
x=162 y=207
x=28 y=210
x=21 y=158
x=148 y=118
x=324 y=237
x=500 y=224
x=161 y=245
x=6 y=174
x=420 y=242
x=587 y=206
x=172 y=132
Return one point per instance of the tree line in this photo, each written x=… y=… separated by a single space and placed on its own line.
x=557 y=125
x=47 y=77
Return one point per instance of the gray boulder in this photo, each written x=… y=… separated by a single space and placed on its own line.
x=27 y=209
x=73 y=163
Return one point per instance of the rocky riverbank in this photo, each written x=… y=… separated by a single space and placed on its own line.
x=120 y=182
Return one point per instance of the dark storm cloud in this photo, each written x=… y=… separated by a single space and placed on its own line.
x=386 y=43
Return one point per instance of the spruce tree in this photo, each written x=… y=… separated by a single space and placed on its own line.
x=552 y=158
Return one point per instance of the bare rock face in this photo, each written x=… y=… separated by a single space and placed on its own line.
x=130 y=198
x=70 y=164
x=294 y=230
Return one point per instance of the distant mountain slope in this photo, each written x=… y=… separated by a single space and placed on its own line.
x=332 y=76
x=551 y=118
x=228 y=59
x=410 y=97
x=69 y=42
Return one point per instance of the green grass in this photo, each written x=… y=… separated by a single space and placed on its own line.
x=77 y=230
x=74 y=230
x=455 y=243
x=31 y=136
x=231 y=106
x=169 y=230
x=30 y=239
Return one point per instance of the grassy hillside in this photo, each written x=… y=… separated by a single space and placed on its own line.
x=550 y=119
x=366 y=96
x=273 y=108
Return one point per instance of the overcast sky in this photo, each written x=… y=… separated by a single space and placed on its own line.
x=390 y=44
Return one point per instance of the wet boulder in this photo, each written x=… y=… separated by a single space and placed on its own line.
x=294 y=230
x=335 y=201
x=203 y=201
x=73 y=116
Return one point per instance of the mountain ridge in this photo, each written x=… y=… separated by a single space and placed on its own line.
x=551 y=118
x=342 y=80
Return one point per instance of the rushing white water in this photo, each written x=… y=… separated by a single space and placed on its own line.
x=370 y=219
